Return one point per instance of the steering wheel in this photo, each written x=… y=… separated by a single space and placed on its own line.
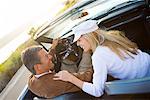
x=66 y=49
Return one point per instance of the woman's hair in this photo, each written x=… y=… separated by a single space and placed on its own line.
x=113 y=39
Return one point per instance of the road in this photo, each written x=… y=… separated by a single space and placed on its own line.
x=16 y=85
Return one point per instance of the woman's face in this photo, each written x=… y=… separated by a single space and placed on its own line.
x=84 y=44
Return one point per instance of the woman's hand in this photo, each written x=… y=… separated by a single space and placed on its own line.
x=63 y=75
x=68 y=77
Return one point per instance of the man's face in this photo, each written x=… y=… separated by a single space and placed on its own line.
x=46 y=60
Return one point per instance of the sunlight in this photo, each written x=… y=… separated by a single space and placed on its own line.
x=14 y=13
x=18 y=14
x=7 y=50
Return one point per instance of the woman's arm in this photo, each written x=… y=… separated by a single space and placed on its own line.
x=68 y=77
x=95 y=88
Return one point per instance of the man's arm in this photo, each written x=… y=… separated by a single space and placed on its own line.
x=54 y=44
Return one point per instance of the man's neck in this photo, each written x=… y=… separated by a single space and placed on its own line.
x=41 y=74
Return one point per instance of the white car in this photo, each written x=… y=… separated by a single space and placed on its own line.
x=130 y=16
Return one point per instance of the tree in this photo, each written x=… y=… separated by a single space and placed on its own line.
x=68 y=4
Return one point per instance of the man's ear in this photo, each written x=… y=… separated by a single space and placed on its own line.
x=36 y=68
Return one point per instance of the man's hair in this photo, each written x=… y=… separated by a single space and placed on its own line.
x=30 y=57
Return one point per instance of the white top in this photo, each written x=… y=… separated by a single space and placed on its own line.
x=105 y=62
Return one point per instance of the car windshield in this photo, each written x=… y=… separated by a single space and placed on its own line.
x=62 y=25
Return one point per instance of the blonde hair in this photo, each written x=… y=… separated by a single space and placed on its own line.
x=113 y=39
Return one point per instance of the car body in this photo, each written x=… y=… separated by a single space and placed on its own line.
x=130 y=16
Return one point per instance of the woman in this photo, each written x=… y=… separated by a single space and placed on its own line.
x=113 y=54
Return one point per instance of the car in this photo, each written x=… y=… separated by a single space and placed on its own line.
x=129 y=16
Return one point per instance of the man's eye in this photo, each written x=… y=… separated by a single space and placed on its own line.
x=46 y=55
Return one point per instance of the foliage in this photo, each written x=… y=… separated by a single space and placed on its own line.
x=68 y=4
x=33 y=31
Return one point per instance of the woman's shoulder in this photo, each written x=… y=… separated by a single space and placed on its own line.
x=104 y=55
x=102 y=51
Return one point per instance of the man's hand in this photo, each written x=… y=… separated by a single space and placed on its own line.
x=55 y=43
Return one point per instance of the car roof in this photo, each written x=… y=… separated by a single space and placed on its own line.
x=61 y=26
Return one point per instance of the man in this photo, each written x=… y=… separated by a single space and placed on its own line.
x=39 y=63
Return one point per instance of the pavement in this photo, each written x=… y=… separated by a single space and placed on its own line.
x=15 y=85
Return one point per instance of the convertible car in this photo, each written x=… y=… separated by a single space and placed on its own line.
x=129 y=16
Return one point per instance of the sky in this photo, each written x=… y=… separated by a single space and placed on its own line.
x=17 y=14
x=14 y=13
